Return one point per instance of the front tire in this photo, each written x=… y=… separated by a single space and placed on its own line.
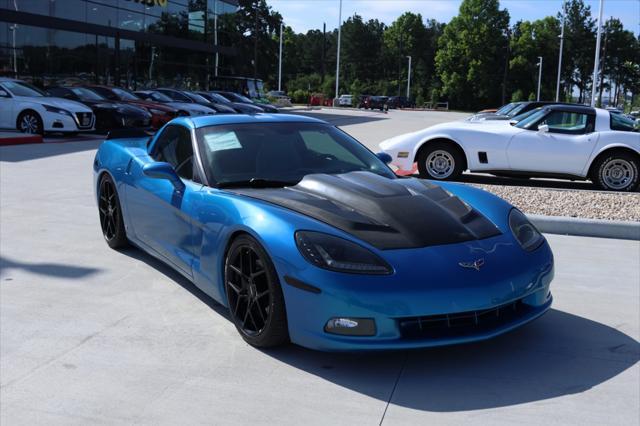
x=618 y=171
x=110 y=214
x=440 y=161
x=254 y=295
x=30 y=122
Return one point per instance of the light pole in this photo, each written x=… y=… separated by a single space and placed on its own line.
x=597 y=59
x=409 y=78
x=215 y=35
x=560 y=55
x=539 y=75
x=280 y=62
x=338 y=53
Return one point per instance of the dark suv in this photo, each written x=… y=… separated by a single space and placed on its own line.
x=401 y=102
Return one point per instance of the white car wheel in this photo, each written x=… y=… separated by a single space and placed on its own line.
x=30 y=122
x=440 y=164
x=617 y=173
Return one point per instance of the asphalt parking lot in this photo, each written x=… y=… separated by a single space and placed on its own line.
x=91 y=335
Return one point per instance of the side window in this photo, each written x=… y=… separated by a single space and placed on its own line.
x=568 y=122
x=174 y=147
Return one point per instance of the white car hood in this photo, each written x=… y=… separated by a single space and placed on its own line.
x=62 y=103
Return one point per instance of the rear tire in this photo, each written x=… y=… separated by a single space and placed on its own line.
x=440 y=161
x=254 y=295
x=110 y=214
x=616 y=171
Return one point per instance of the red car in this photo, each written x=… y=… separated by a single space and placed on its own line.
x=160 y=113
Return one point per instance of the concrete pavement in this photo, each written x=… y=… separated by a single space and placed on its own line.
x=90 y=335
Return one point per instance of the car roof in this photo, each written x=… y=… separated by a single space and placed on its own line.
x=222 y=119
x=582 y=109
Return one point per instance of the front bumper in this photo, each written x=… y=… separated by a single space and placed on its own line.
x=80 y=122
x=423 y=288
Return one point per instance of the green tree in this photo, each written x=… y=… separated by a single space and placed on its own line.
x=471 y=55
x=579 y=44
x=620 y=49
x=529 y=41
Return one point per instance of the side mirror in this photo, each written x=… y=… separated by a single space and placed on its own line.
x=384 y=157
x=543 y=128
x=162 y=170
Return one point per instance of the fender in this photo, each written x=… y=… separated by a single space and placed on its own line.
x=597 y=152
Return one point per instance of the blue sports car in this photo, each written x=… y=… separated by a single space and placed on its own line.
x=307 y=236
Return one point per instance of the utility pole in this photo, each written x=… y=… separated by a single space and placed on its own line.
x=280 y=62
x=409 y=78
x=564 y=13
x=604 y=59
x=324 y=51
x=597 y=58
x=539 y=75
x=255 y=43
x=338 y=53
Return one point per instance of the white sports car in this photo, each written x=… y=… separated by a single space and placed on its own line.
x=561 y=141
x=28 y=109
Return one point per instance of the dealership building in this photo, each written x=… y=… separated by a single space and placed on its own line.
x=131 y=43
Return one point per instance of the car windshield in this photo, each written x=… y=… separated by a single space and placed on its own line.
x=123 y=94
x=516 y=110
x=518 y=118
x=197 y=98
x=503 y=110
x=527 y=122
x=20 y=88
x=86 y=94
x=239 y=154
x=160 y=97
x=218 y=98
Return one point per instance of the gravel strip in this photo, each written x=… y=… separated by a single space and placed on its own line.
x=559 y=202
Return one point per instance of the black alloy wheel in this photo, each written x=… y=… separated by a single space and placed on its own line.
x=111 y=215
x=254 y=295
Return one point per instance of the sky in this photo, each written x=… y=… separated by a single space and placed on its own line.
x=304 y=15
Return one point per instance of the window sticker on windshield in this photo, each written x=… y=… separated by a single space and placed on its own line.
x=222 y=141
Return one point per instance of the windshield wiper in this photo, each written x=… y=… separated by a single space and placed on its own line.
x=257 y=183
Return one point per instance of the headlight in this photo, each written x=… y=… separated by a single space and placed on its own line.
x=524 y=231
x=337 y=254
x=57 y=110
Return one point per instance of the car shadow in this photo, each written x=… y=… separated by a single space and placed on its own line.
x=49 y=269
x=344 y=119
x=18 y=153
x=558 y=354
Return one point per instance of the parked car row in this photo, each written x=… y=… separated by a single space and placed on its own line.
x=83 y=108
x=376 y=102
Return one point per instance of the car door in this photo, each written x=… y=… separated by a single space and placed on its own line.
x=6 y=110
x=161 y=214
x=560 y=143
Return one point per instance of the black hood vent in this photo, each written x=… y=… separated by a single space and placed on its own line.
x=386 y=213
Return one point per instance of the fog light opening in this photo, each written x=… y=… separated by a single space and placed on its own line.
x=351 y=326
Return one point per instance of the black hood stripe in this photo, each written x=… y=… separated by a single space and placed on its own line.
x=386 y=213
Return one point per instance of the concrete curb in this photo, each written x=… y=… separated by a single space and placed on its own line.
x=563 y=225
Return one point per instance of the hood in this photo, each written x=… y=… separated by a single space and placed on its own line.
x=72 y=106
x=191 y=107
x=150 y=104
x=246 y=107
x=386 y=213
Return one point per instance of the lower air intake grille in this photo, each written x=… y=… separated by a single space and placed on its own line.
x=462 y=323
